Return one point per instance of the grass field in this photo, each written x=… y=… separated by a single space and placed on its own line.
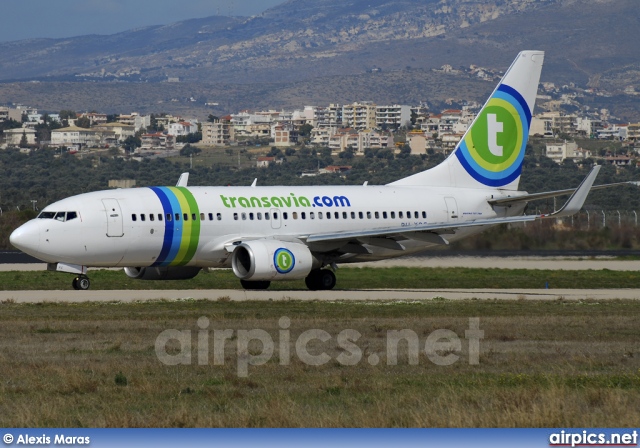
x=348 y=278
x=541 y=364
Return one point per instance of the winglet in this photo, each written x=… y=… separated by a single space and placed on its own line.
x=576 y=201
x=255 y=182
x=184 y=179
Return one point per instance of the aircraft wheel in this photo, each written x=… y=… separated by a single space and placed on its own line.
x=320 y=280
x=81 y=283
x=326 y=279
x=256 y=285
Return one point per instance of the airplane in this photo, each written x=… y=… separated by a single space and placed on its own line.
x=274 y=233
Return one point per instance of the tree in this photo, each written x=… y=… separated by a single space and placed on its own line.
x=83 y=122
x=305 y=130
x=188 y=150
x=23 y=141
x=131 y=143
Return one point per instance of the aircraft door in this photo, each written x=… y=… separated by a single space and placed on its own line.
x=452 y=208
x=276 y=218
x=114 y=217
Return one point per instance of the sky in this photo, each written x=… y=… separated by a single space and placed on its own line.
x=66 y=18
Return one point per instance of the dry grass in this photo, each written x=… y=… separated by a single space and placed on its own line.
x=548 y=364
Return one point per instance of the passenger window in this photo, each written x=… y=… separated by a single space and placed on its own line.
x=159 y=216
x=312 y=215
x=259 y=216
x=244 y=216
x=202 y=217
x=133 y=217
x=294 y=215
x=319 y=215
x=353 y=215
x=169 y=217
x=408 y=215
x=177 y=216
x=142 y=217
x=424 y=215
x=415 y=215
x=251 y=216
x=210 y=216
x=185 y=216
x=266 y=216
x=71 y=215
x=336 y=215
x=360 y=215
x=303 y=215
x=384 y=215
x=219 y=215
x=235 y=216
x=328 y=215
x=344 y=215
x=368 y=215
x=400 y=215
x=152 y=217
x=377 y=215
x=393 y=215
x=285 y=215
x=194 y=217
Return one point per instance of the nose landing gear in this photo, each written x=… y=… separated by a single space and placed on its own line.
x=81 y=283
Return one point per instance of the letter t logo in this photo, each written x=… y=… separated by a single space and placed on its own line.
x=494 y=127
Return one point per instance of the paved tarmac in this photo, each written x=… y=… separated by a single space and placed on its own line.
x=129 y=296
x=553 y=263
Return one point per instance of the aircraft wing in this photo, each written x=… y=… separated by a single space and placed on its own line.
x=432 y=232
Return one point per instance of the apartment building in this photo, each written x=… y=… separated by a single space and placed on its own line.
x=136 y=120
x=393 y=116
x=76 y=136
x=157 y=140
x=182 y=128
x=13 y=137
x=558 y=152
x=218 y=133
x=359 y=115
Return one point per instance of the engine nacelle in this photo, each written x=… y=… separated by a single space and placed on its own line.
x=163 y=272
x=271 y=260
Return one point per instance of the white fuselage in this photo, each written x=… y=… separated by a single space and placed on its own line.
x=147 y=226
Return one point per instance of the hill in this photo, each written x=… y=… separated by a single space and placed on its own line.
x=323 y=46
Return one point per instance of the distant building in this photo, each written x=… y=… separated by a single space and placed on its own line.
x=73 y=135
x=157 y=140
x=13 y=137
x=558 y=152
x=218 y=133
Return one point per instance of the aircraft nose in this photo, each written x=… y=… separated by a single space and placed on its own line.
x=27 y=237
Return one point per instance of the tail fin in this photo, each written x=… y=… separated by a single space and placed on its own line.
x=491 y=152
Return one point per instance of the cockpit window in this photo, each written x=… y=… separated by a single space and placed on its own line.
x=58 y=216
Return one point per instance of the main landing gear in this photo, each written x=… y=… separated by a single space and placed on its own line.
x=320 y=280
x=317 y=280
x=81 y=283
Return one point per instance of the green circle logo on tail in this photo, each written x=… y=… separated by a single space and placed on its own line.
x=493 y=150
x=284 y=260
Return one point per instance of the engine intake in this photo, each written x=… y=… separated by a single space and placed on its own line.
x=163 y=272
x=272 y=260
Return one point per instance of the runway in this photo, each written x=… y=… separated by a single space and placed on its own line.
x=129 y=296
x=519 y=262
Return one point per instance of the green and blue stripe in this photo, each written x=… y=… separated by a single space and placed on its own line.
x=181 y=237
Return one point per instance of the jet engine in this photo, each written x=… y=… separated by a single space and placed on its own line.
x=163 y=272
x=272 y=260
